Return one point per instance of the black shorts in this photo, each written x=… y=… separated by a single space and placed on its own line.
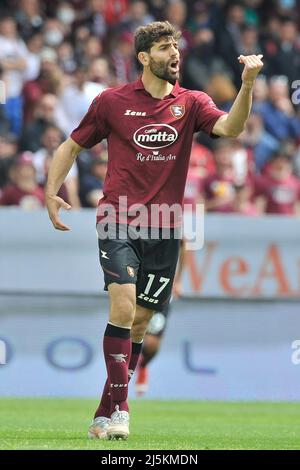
x=148 y=263
x=158 y=322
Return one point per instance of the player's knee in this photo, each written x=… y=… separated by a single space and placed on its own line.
x=122 y=311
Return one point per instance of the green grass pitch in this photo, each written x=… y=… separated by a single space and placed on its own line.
x=62 y=424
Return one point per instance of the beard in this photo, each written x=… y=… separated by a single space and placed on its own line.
x=161 y=70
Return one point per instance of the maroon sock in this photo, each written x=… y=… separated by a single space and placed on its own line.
x=117 y=352
x=135 y=354
x=105 y=403
x=104 y=406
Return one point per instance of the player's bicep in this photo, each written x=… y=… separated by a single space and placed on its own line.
x=219 y=128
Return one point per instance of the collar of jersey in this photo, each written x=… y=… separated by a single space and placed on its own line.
x=138 y=85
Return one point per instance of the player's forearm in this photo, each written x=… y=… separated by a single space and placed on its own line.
x=239 y=111
x=60 y=166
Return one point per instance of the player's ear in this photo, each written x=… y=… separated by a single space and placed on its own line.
x=143 y=58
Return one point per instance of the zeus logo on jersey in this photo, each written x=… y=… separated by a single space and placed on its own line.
x=129 y=112
x=155 y=136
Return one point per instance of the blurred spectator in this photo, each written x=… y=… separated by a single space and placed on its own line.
x=218 y=188
x=92 y=49
x=66 y=14
x=278 y=191
x=8 y=151
x=93 y=17
x=77 y=96
x=201 y=165
x=46 y=113
x=229 y=39
x=24 y=190
x=29 y=17
x=51 y=139
x=13 y=61
x=91 y=184
x=201 y=63
x=285 y=59
x=66 y=57
x=137 y=16
x=4 y=122
x=242 y=203
x=176 y=14
x=123 y=59
x=48 y=81
x=34 y=45
x=260 y=89
x=200 y=17
x=277 y=112
x=258 y=140
x=54 y=32
x=249 y=41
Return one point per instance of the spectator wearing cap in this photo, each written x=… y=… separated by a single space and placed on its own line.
x=24 y=190
x=278 y=190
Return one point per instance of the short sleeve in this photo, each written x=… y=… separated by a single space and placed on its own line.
x=93 y=127
x=207 y=112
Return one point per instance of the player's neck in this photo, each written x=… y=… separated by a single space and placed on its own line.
x=155 y=86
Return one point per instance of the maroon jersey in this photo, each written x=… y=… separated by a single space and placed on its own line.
x=149 y=141
x=14 y=196
x=281 y=195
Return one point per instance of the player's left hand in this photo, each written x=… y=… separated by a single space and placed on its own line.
x=253 y=65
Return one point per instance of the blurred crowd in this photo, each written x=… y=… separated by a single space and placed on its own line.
x=56 y=56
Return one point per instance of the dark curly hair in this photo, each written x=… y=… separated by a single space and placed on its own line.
x=146 y=36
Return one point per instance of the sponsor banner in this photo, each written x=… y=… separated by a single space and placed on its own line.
x=225 y=350
x=245 y=257
x=242 y=257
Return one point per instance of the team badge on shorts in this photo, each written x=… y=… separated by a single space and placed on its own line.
x=130 y=271
x=177 y=110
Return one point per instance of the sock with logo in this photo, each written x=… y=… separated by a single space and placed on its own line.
x=117 y=352
x=105 y=403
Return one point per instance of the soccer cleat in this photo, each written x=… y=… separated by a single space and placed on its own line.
x=119 y=425
x=98 y=428
x=141 y=385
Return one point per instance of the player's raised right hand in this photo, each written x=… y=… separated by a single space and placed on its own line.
x=54 y=203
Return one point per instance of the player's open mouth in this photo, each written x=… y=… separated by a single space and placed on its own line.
x=175 y=66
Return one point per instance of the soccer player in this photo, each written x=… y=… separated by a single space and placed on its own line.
x=149 y=125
